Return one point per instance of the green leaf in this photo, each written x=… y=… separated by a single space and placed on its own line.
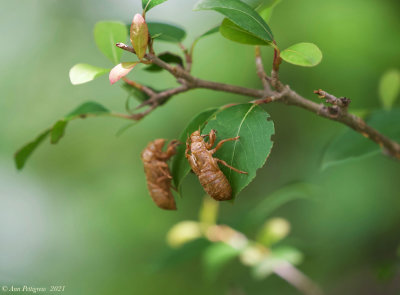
x=168 y=58
x=235 y=33
x=302 y=54
x=149 y=4
x=241 y=14
x=352 y=145
x=216 y=256
x=83 y=73
x=58 y=130
x=106 y=35
x=87 y=109
x=250 y=152
x=180 y=166
x=389 y=88
x=166 y=32
x=266 y=10
x=22 y=155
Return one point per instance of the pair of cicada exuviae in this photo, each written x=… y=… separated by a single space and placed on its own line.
x=199 y=153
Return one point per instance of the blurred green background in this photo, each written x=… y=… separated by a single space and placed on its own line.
x=79 y=214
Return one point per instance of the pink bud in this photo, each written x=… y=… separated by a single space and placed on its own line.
x=121 y=70
x=139 y=35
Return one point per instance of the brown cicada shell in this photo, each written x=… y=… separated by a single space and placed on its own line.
x=205 y=166
x=157 y=172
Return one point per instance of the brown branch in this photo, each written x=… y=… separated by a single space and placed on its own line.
x=342 y=102
x=285 y=95
x=139 y=86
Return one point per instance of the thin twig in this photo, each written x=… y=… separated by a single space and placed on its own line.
x=261 y=72
x=188 y=57
x=139 y=86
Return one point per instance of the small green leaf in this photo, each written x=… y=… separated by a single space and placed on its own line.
x=87 y=109
x=106 y=35
x=83 y=73
x=235 y=33
x=22 y=155
x=58 y=129
x=302 y=54
x=241 y=14
x=168 y=58
x=389 y=88
x=149 y=4
x=216 y=256
x=166 y=32
x=351 y=145
x=139 y=34
x=250 y=152
x=180 y=166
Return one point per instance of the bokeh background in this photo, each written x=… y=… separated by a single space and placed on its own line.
x=79 y=214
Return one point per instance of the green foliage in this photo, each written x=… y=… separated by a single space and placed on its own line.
x=250 y=152
x=168 y=57
x=83 y=73
x=149 y=4
x=235 y=33
x=106 y=35
x=58 y=129
x=352 y=145
x=302 y=54
x=389 y=88
x=241 y=14
x=166 y=32
x=22 y=155
x=179 y=165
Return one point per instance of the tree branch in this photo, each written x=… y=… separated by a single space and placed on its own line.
x=284 y=94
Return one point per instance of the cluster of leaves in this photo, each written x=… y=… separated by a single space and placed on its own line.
x=350 y=145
